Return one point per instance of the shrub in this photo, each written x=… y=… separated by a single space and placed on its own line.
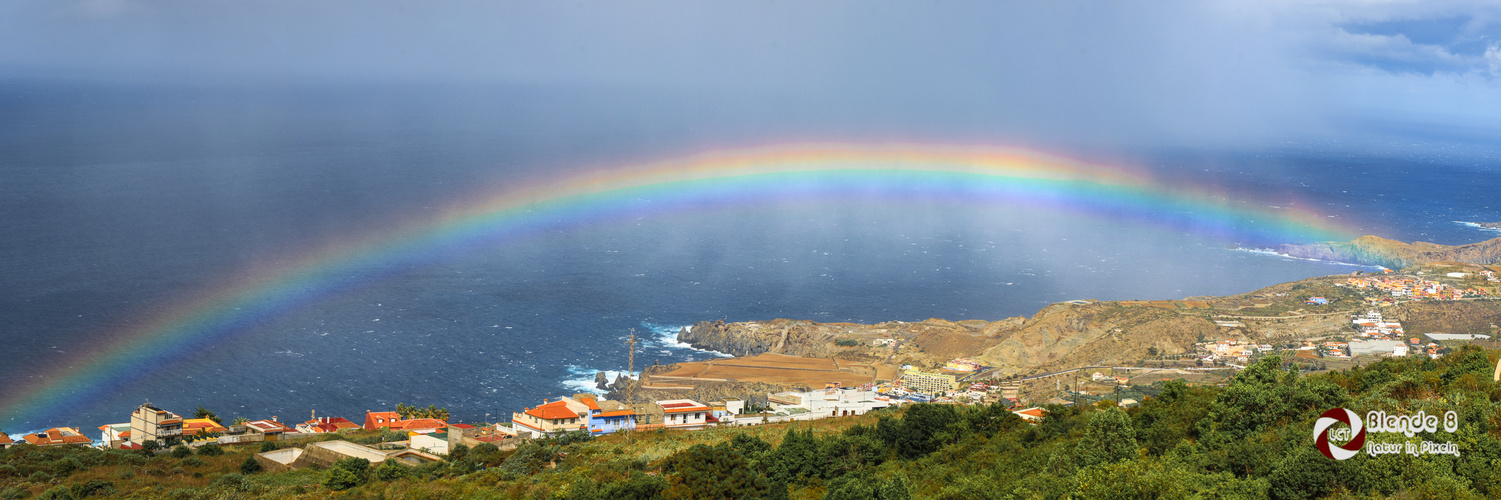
x=93 y=487
x=230 y=481
x=39 y=477
x=181 y=451
x=340 y=479
x=56 y=493
x=66 y=466
x=390 y=470
x=210 y=450
x=268 y=446
x=194 y=462
x=347 y=473
x=846 y=342
x=250 y=466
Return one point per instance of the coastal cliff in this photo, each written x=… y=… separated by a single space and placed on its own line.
x=1377 y=251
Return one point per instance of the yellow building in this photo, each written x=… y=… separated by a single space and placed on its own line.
x=928 y=383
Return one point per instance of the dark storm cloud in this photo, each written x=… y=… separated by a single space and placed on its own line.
x=1177 y=71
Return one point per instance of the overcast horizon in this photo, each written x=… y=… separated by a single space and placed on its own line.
x=1190 y=73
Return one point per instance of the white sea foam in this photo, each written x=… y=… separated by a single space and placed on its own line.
x=581 y=379
x=1268 y=251
x=1478 y=226
x=667 y=337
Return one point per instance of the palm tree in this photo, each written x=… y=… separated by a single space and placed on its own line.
x=202 y=412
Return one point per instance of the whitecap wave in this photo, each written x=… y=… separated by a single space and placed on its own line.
x=1477 y=225
x=581 y=379
x=1268 y=251
x=667 y=337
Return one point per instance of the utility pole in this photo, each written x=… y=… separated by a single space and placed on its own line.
x=630 y=384
x=630 y=369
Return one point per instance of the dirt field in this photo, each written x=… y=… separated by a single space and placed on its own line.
x=775 y=369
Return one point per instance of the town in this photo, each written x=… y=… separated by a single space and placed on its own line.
x=422 y=435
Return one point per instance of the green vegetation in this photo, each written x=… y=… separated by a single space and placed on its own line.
x=411 y=412
x=846 y=342
x=1249 y=439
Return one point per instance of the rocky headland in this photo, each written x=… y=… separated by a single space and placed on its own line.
x=1392 y=254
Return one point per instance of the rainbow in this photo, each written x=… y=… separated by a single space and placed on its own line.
x=600 y=195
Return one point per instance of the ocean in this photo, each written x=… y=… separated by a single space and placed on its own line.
x=124 y=204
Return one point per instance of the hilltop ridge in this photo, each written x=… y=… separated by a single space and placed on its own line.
x=1078 y=333
x=1393 y=254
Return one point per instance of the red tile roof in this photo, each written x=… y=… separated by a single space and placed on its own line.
x=4 y=439
x=590 y=403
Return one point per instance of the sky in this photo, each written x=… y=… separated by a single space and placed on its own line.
x=1174 y=72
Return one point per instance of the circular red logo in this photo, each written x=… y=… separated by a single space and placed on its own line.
x=1339 y=451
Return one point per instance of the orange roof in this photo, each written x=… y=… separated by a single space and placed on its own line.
x=589 y=403
x=552 y=411
x=419 y=423
x=4 y=439
x=617 y=413
x=57 y=436
x=1032 y=412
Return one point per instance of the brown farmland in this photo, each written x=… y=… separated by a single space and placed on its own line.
x=776 y=369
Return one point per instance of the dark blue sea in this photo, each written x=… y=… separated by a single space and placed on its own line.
x=119 y=202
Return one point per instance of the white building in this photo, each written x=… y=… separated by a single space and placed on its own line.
x=828 y=402
x=684 y=414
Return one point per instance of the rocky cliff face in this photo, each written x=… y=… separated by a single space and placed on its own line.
x=1373 y=250
x=794 y=338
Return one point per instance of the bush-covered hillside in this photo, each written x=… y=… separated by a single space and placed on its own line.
x=1250 y=439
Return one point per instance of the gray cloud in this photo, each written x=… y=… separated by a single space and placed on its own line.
x=1179 y=71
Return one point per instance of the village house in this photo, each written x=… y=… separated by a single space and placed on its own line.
x=149 y=423
x=1031 y=415
x=116 y=436
x=201 y=427
x=58 y=436
x=325 y=425
x=684 y=414
x=828 y=402
x=608 y=417
x=269 y=430
x=563 y=415
x=435 y=443
x=374 y=420
x=5 y=441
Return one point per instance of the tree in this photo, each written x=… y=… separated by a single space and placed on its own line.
x=181 y=451
x=202 y=412
x=152 y=446
x=717 y=472
x=1109 y=438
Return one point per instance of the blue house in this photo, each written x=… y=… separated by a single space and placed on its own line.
x=602 y=421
